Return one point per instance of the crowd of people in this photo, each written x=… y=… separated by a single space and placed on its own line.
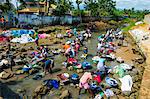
x=90 y=80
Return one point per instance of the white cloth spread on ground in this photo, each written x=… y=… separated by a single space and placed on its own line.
x=3 y=62
x=25 y=38
x=126 y=83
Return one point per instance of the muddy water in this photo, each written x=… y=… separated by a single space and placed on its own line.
x=29 y=85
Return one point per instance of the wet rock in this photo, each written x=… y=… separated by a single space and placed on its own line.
x=44 y=91
x=115 y=76
x=140 y=69
x=135 y=78
x=60 y=87
x=6 y=75
x=39 y=89
x=116 y=91
x=133 y=72
x=57 y=42
x=70 y=68
x=134 y=90
x=132 y=96
x=23 y=50
x=33 y=71
x=64 y=94
x=135 y=51
x=136 y=85
x=79 y=70
x=20 y=90
x=128 y=93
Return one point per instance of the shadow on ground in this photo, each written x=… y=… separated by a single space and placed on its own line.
x=7 y=93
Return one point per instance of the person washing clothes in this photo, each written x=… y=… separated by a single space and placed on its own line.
x=75 y=32
x=85 y=53
x=101 y=65
x=99 y=46
x=48 y=65
x=68 y=32
x=81 y=39
x=84 y=82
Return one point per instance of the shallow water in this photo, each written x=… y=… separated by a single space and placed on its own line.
x=29 y=84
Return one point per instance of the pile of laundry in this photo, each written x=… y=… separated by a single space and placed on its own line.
x=25 y=38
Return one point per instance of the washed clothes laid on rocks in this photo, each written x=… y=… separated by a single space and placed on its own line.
x=126 y=83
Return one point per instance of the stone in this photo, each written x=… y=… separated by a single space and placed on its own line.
x=23 y=50
x=1 y=97
x=70 y=68
x=132 y=96
x=135 y=86
x=128 y=93
x=33 y=71
x=19 y=90
x=135 y=78
x=44 y=91
x=64 y=94
x=133 y=90
x=115 y=76
x=116 y=91
x=79 y=70
x=39 y=89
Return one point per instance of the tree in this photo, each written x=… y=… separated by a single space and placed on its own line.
x=22 y=4
x=63 y=6
x=101 y=7
x=93 y=7
x=78 y=2
x=6 y=7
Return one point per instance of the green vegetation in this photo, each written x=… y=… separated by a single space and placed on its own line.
x=130 y=24
x=101 y=7
x=92 y=8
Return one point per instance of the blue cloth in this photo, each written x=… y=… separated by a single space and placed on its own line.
x=47 y=63
x=101 y=60
x=111 y=82
x=86 y=65
x=85 y=51
x=55 y=84
x=74 y=76
x=20 y=32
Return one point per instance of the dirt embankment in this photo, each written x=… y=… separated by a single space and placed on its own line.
x=143 y=44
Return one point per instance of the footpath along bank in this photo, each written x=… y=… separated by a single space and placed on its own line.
x=141 y=35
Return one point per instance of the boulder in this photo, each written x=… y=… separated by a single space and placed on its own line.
x=127 y=93
x=39 y=89
x=79 y=70
x=23 y=50
x=64 y=94
x=135 y=78
x=6 y=75
x=116 y=91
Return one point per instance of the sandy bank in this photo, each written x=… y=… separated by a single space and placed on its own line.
x=139 y=33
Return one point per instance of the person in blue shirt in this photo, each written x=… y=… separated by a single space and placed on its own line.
x=48 y=65
x=85 y=51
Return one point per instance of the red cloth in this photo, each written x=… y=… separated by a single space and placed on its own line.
x=2 y=39
x=71 y=60
x=97 y=78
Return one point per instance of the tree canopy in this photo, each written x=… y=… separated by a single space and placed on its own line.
x=101 y=7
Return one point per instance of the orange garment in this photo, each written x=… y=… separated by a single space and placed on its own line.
x=66 y=46
x=2 y=20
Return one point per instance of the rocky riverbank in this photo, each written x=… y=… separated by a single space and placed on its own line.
x=23 y=83
x=142 y=40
